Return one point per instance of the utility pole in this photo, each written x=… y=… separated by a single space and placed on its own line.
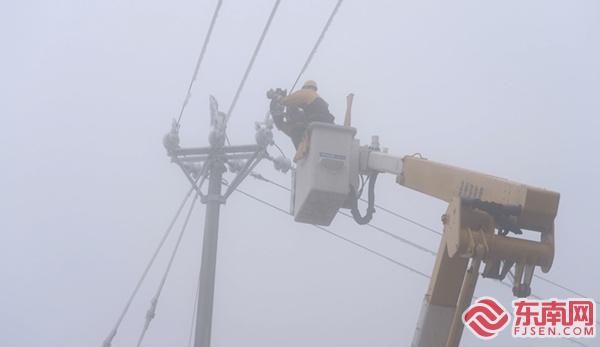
x=211 y=163
x=206 y=288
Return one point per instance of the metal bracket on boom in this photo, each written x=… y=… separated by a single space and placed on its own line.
x=473 y=232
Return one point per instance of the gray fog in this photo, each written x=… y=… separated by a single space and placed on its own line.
x=510 y=88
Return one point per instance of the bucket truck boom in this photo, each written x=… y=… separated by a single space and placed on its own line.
x=485 y=218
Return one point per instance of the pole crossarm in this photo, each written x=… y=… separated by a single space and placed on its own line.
x=186 y=157
x=202 y=158
x=246 y=170
x=211 y=150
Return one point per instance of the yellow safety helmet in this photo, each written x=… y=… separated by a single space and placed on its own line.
x=310 y=84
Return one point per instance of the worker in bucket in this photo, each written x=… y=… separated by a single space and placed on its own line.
x=293 y=113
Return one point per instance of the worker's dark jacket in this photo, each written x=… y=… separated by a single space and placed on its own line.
x=303 y=107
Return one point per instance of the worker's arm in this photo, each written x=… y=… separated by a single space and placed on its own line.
x=300 y=98
x=280 y=123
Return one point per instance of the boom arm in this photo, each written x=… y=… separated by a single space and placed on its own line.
x=479 y=204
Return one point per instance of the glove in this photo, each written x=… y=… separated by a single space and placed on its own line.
x=276 y=94
x=276 y=108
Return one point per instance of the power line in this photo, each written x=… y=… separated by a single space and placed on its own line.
x=251 y=63
x=317 y=44
x=409 y=268
x=370 y=225
x=399 y=238
x=406 y=219
x=570 y=339
x=563 y=287
x=108 y=341
x=199 y=61
x=260 y=177
x=150 y=314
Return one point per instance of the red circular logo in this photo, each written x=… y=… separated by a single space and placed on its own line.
x=486 y=318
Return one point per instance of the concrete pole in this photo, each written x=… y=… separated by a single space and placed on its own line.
x=206 y=289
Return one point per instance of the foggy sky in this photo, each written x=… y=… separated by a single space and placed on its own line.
x=510 y=88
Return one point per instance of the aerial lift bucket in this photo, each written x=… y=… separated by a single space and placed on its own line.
x=323 y=176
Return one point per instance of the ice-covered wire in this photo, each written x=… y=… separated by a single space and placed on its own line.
x=317 y=44
x=150 y=314
x=199 y=61
x=108 y=341
x=251 y=63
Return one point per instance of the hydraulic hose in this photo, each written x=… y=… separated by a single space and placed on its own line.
x=361 y=220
